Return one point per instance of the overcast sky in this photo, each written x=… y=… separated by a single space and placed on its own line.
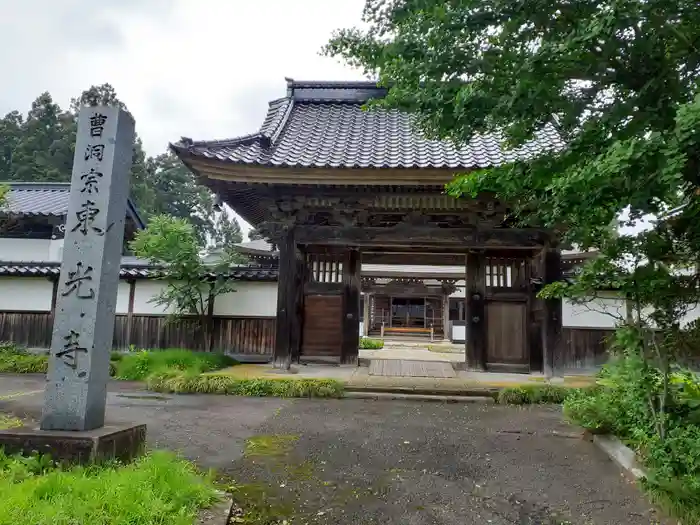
x=201 y=69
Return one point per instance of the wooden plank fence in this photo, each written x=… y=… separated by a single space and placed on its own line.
x=232 y=335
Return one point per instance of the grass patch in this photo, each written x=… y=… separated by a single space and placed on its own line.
x=533 y=395
x=138 y=366
x=9 y=422
x=274 y=445
x=188 y=383
x=371 y=344
x=156 y=489
x=15 y=360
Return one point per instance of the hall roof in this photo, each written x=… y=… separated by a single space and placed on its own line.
x=47 y=199
x=324 y=125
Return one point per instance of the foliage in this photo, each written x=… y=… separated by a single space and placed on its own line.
x=39 y=147
x=9 y=422
x=17 y=361
x=254 y=235
x=371 y=344
x=192 y=285
x=189 y=383
x=137 y=366
x=157 y=488
x=533 y=394
x=621 y=404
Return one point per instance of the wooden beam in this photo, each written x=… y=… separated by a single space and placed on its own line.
x=286 y=302
x=475 y=304
x=552 y=322
x=423 y=236
x=351 y=307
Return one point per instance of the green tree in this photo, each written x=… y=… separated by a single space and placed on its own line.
x=227 y=233
x=43 y=149
x=10 y=135
x=254 y=235
x=616 y=81
x=191 y=286
x=184 y=198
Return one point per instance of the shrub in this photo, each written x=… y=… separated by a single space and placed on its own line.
x=620 y=404
x=188 y=383
x=371 y=344
x=157 y=488
x=15 y=360
x=533 y=394
x=137 y=366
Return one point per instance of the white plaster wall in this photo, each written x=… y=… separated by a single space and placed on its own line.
x=25 y=294
x=251 y=299
x=56 y=250
x=145 y=291
x=123 y=298
x=604 y=312
x=22 y=250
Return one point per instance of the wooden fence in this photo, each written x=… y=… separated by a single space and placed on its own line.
x=232 y=335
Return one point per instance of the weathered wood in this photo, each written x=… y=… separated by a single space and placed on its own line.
x=130 y=309
x=506 y=334
x=583 y=349
x=552 y=319
x=232 y=335
x=351 y=307
x=366 y=313
x=287 y=302
x=476 y=311
x=424 y=236
x=323 y=326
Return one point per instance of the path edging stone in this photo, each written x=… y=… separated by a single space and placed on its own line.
x=219 y=513
x=417 y=397
x=620 y=453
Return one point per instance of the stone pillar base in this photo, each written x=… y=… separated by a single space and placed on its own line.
x=121 y=442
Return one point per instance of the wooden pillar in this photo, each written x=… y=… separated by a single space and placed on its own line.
x=446 y=317
x=351 y=307
x=475 y=305
x=298 y=314
x=552 y=322
x=287 y=306
x=54 y=296
x=130 y=313
x=365 y=314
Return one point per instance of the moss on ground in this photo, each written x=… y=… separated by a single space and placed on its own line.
x=275 y=445
x=7 y=421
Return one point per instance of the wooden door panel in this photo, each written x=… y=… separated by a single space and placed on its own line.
x=506 y=332
x=323 y=326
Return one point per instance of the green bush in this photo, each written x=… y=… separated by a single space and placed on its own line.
x=156 y=489
x=137 y=366
x=18 y=361
x=533 y=394
x=371 y=344
x=620 y=404
x=189 y=383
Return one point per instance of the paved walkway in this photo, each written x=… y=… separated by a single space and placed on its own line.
x=360 y=377
x=349 y=462
x=406 y=368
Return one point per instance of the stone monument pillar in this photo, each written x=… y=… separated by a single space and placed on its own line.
x=83 y=326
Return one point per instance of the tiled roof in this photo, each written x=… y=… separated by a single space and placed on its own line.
x=129 y=271
x=44 y=199
x=323 y=125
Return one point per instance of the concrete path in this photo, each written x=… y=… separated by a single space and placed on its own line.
x=406 y=368
x=350 y=462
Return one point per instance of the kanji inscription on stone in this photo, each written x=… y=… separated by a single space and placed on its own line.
x=83 y=327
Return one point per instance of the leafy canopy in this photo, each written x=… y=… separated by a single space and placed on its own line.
x=618 y=79
x=172 y=243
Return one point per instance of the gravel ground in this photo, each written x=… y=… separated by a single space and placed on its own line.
x=389 y=462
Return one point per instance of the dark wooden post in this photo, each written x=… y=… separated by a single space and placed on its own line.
x=287 y=297
x=552 y=322
x=475 y=306
x=130 y=313
x=298 y=315
x=351 y=307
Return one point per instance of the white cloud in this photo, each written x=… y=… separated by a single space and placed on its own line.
x=201 y=69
